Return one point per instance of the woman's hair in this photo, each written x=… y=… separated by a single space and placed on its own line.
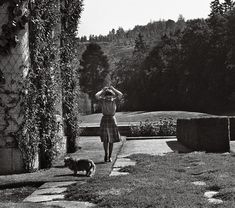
x=108 y=93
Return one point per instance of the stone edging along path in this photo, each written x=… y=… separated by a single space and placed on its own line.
x=52 y=193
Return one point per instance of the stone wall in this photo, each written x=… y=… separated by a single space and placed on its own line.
x=205 y=134
x=14 y=68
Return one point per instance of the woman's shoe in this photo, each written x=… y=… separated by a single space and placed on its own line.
x=105 y=158
x=110 y=159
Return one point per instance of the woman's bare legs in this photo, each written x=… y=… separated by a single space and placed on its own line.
x=105 y=145
x=110 y=151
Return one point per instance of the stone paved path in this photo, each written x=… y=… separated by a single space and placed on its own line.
x=52 y=193
x=147 y=146
x=152 y=147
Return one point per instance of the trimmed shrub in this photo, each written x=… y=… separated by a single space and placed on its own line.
x=163 y=127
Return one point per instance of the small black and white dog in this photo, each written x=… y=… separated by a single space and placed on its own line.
x=80 y=165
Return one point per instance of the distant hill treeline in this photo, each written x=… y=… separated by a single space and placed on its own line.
x=152 y=32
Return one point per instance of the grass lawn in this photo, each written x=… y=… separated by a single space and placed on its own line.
x=163 y=181
x=138 y=116
x=12 y=197
x=16 y=194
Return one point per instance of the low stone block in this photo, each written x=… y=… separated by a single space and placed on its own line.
x=10 y=161
x=232 y=128
x=186 y=133
x=204 y=134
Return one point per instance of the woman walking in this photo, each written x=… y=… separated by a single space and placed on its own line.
x=109 y=133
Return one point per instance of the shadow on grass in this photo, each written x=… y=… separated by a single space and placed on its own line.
x=77 y=175
x=21 y=184
x=59 y=166
x=100 y=163
x=178 y=147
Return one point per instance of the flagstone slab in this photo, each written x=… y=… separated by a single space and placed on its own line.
x=49 y=191
x=123 y=162
x=210 y=194
x=152 y=147
x=215 y=201
x=70 y=204
x=43 y=198
x=116 y=172
x=58 y=184
x=199 y=183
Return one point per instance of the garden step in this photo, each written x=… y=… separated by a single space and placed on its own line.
x=92 y=129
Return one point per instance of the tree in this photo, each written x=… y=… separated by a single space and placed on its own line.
x=216 y=8
x=140 y=45
x=228 y=5
x=231 y=57
x=216 y=61
x=93 y=70
x=180 y=24
x=193 y=85
x=70 y=15
x=159 y=75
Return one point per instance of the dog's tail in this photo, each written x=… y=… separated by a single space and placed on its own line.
x=92 y=168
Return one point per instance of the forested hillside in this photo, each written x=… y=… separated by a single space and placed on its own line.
x=119 y=43
x=182 y=65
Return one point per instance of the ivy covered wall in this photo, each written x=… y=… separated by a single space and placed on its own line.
x=35 y=60
x=14 y=67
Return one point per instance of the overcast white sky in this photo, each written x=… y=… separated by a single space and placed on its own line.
x=100 y=16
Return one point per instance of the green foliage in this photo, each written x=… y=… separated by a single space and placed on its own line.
x=140 y=45
x=29 y=137
x=146 y=128
x=216 y=8
x=71 y=11
x=39 y=131
x=93 y=70
x=127 y=75
x=167 y=127
x=163 y=127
